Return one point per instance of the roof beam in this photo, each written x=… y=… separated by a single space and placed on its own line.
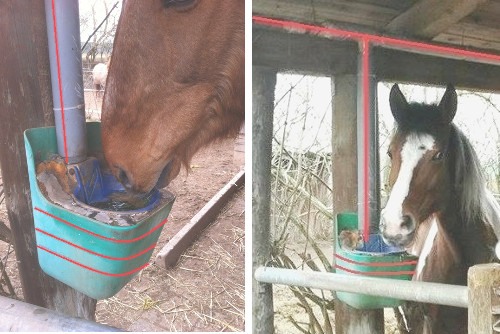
x=285 y=51
x=429 y=18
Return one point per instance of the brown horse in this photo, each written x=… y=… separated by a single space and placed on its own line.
x=439 y=208
x=175 y=84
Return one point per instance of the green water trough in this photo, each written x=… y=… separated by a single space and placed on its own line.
x=92 y=250
x=374 y=259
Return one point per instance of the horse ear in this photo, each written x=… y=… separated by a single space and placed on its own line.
x=448 y=104
x=398 y=103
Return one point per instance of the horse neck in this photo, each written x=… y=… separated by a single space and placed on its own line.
x=440 y=258
x=473 y=237
x=471 y=211
x=439 y=261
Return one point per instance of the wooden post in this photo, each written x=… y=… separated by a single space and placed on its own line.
x=263 y=84
x=26 y=102
x=483 y=281
x=348 y=320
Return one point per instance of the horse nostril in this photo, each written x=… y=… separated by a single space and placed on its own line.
x=123 y=178
x=407 y=223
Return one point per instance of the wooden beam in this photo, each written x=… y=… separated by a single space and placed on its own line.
x=263 y=85
x=337 y=12
x=428 y=18
x=401 y=66
x=291 y=51
x=286 y=51
x=171 y=252
x=470 y=34
x=26 y=102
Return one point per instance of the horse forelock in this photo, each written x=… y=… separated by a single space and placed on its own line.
x=421 y=118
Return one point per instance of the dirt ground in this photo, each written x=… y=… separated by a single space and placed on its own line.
x=205 y=291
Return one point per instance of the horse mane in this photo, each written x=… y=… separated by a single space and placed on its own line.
x=475 y=201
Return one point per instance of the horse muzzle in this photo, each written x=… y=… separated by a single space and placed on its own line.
x=398 y=232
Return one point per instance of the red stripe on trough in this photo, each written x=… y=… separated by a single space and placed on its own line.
x=100 y=236
x=94 y=253
x=89 y=268
x=59 y=77
x=377 y=264
x=376 y=273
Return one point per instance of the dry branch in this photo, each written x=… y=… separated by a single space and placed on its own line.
x=5 y=233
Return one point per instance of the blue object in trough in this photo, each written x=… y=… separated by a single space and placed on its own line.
x=94 y=187
x=92 y=250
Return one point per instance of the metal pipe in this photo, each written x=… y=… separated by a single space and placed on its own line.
x=424 y=292
x=63 y=26
x=20 y=316
x=367 y=146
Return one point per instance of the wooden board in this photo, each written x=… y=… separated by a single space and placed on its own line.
x=171 y=252
x=303 y=53
x=472 y=35
x=285 y=51
x=348 y=320
x=372 y=16
x=428 y=18
x=400 y=66
x=353 y=12
x=263 y=86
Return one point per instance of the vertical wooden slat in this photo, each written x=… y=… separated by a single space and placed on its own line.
x=348 y=320
x=263 y=85
x=483 y=281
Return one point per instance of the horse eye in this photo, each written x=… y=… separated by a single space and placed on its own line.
x=389 y=154
x=438 y=156
x=177 y=3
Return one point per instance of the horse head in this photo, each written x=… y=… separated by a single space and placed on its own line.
x=175 y=83
x=420 y=155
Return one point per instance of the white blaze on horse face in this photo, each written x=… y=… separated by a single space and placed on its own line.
x=414 y=148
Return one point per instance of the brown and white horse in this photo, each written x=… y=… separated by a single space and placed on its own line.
x=439 y=208
x=176 y=82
